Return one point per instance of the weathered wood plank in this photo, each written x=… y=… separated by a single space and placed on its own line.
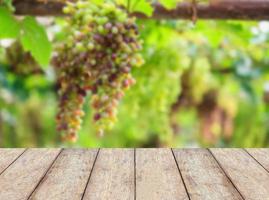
x=7 y=156
x=261 y=155
x=19 y=180
x=68 y=176
x=251 y=179
x=157 y=176
x=203 y=177
x=112 y=176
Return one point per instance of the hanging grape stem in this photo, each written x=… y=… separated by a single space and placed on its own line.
x=194 y=11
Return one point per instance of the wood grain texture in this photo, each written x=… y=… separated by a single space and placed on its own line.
x=112 y=176
x=68 y=176
x=7 y=156
x=157 y=176
x=251 y=179
x=204 y=179
x=261 y=155
x=128 y=174
x=19 y=180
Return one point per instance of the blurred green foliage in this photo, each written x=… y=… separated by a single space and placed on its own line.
x=202 y=85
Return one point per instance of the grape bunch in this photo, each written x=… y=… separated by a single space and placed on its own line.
x=101 y=48
x=21 y=62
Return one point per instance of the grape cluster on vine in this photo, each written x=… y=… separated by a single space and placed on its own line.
x=21 y=62
x=97 y=58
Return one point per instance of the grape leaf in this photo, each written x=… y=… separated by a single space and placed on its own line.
x=7 y=4
x=9 y=26
x=34 y=39
x=169 y=4
x=142 y=6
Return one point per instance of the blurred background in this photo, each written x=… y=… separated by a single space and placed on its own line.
x=201 y=85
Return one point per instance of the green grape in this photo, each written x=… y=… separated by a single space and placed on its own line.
x=101 y=49
x=21 y=62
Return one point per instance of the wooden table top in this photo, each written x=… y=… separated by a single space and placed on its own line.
x=134 y=174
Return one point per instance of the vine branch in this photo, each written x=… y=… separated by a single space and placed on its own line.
x=221 y=9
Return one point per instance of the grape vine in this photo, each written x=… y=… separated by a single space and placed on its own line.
x=97 y=58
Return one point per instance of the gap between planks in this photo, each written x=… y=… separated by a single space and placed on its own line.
x=183 y=181
x=20 y=178
x=195 y=166
x=42 y=178
x=70 y=170
x=13 y=162
x=255 y=159
x=248 y=176
x=228 y=177
x=94 y=162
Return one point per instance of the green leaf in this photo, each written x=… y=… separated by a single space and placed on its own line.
x=97 y=2
x=7 y=4
x=142 y=6
x=34 y=39
x=169 y=4
x=122 y=3
x=9 y=26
